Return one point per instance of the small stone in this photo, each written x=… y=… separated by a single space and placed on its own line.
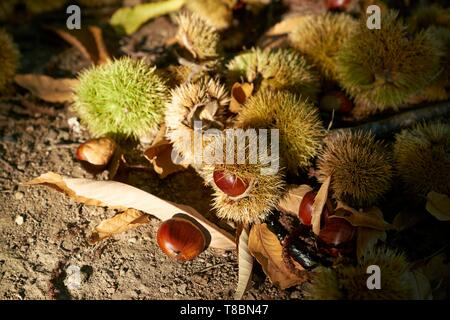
x=67 y=245
x=132 y=240
x=19 y=220
x=182 y=288
x=164 y=290
x=18 y=195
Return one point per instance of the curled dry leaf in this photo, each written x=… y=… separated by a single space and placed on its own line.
x=369 y=218
x=267 y=250
x=291 y=202
x=89 y=41
x=239 y=94
x=118 y=195
x=438 y=205
x=121 y=222
x=277 y=36
x=421 y=288
x=245 y=261
x=318 y=205
x=160 y=156
x=367 y=238
x=47 y=88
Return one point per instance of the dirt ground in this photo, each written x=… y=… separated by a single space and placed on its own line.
x=43 y=234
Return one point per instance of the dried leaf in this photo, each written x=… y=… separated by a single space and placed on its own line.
x=406 y=219
x=277 y=35
x=47 y=88
x=121 y=222
x=129 y=19
x=266 y=248
x=118 y=195
x=438 y=205
x=318 y=205
x=245 y=260
x=420 y=285
x=291 y=202
x=160 y=156
x=367 y=238
x=97 y=151
x=369 y=218
x=239 y=94
x=88 y=40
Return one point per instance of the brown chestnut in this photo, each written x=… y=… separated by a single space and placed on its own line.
x=337 y=231
x=305 y=209
x=97 y=152
x=180 y=239
x=229 y=183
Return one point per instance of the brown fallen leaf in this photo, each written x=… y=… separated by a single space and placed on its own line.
x=245 y=261
x=89 y=40
x=277 y=36
x=438 y=205
x=47 y=88
x=160 y=156
x=121 y=222
x=291 y=202
x=267 y=250
x=319 y=203
x=239 y=94
x=406 y=219
x=118 y=195
x=367 y=238
x=369 y=218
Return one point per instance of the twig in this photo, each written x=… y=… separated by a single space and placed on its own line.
x=213 y=267
x=385 y=127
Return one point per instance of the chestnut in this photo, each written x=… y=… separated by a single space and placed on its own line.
x=97 y=152
x=337 y=231
x=337 y=4
x=229 y=183
x=180 y=239
x=305 y=209
x=336 y=100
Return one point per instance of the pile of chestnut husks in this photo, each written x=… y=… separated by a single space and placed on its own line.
x=335 y=239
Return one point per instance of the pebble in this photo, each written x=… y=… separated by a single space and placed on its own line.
x=182 y=288
x=18 y=195
x=132 y=240
x=19 y=220
x=164 y=290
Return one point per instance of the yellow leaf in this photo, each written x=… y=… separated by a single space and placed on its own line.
x=118 y=195
x=266 y=248
x=438 y=205
x=121 y=222
x=369 y=218
x=47 y=88
x=318 y=205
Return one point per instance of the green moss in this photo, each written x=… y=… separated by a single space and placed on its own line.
x=125 y=98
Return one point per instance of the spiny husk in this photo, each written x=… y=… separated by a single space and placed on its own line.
x=190 y=98
x=218 y=13
x=348 y=282
x=265 y=190
x=7 y=8
x=422 y=156
x=383 y=68
x=99 y=3
x=359 y=166
x=40 y=6
x=424 y=17
x=320 y=37
x=278 y=69
x=300 y=128
x=198 y=36
x=123 y=98
x=9 y=59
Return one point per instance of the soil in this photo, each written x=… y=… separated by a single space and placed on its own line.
x=43 y=234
